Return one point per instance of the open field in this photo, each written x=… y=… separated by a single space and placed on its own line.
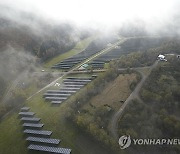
x=115 y=92
x=80 y=46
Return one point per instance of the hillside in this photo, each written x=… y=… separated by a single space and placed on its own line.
x=48 y=42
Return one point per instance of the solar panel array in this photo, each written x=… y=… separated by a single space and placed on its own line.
x=71 y=86
x=107 y=57
x=98 y=63
x=94 y=47
x=131 y=45
x=39 y=136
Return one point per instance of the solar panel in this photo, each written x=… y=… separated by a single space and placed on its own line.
x=76 y=80
x=60 y=91
x=73 y=59
x=79 y=78
x=97 y=62
x=56 y=98
x=30 y=119
x=56 y=102
x=94 y=76
x=43 y=140
x=25 y=108
x=37 y=132
x=75 y=83
x=67 y=91
x=64 y=64
x=26 y=113
x=73 y=88
x=62 y=67
x=49 y=149
x=55 y=94
x=80 y=86
x=33 y=125
x=65 y=67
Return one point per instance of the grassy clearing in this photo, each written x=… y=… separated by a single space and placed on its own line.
x=115 y=92
x=80 y=46
x=11 y=136
x=106 y=65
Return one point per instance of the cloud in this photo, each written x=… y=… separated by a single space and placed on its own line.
x=98 y=11
x=151 y=15
x=13 y=61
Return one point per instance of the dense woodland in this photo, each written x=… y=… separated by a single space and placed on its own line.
x=44 y=42
x=158 y=115
x=146 y=57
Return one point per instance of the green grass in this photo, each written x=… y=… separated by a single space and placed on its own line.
x=10 y=135
x=80 y=46
x=106 y=65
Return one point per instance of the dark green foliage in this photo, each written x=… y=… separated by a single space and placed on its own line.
x=162 y=86
x=147 y=56
x=51 y=48
x=158 y=115
x=2 y=87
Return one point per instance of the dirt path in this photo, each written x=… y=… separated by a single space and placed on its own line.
x=134 y=94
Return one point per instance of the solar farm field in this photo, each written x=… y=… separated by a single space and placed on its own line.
x=70 y=86
x=52 y=116
x=130 y=45
x=94 y=47
x=80 y=46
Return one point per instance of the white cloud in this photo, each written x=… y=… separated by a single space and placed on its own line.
x=107 y=12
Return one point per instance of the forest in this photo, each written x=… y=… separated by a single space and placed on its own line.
x=157 y=116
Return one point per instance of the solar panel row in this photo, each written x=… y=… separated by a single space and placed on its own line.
x=26 y=113
x=55 y=94
x=37 y=132
x=56 y=98
x=30 y=119
x=83 y=78
x=56 y=102
x=25 y=109
x=76 y=80
x=43 y=140
x=33 y=125
x=49 y=149
x=75 y=83
x=75 y=86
